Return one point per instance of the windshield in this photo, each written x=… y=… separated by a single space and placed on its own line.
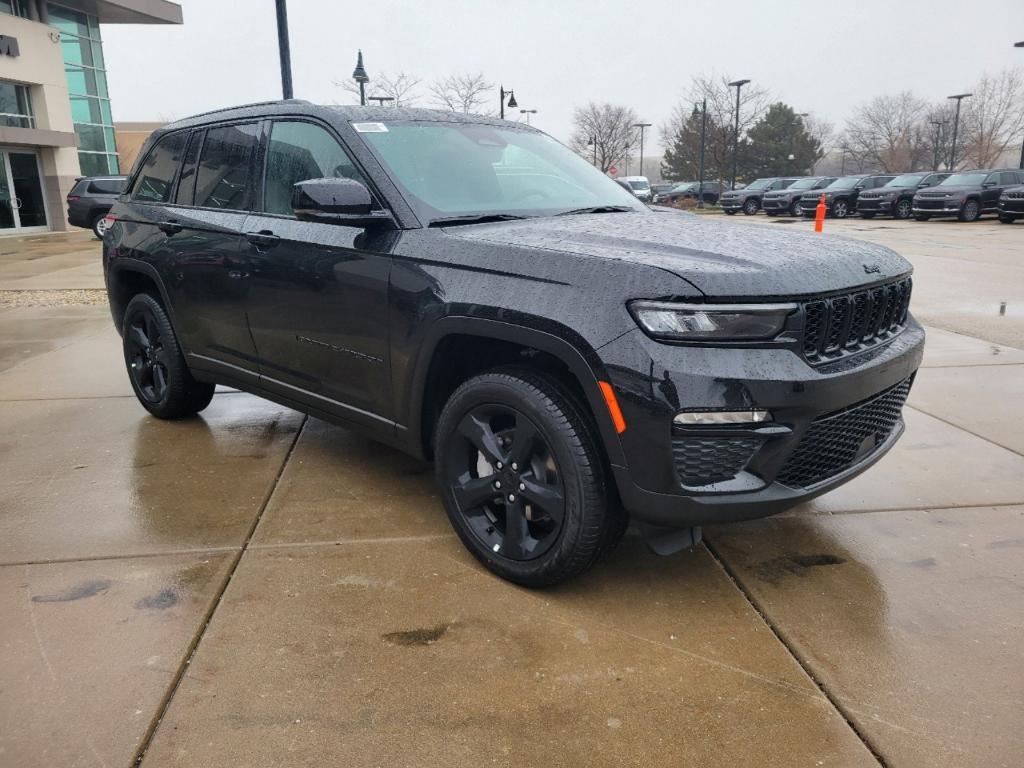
x=960 y=179
x=907 y=180
x=641 y=185
x=803 y=183
x=461 y=169
x=759 y=184
x=847 y=182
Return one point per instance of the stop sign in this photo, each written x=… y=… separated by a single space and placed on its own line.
x=613 y=170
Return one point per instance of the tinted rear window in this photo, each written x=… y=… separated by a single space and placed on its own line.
x=107 y=186
x=153 y=184
x=225 y=167
x=79 y=188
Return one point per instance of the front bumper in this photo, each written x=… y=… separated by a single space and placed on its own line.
x=937 y=206
x=1013 y=206
x=654 y=485
x=875 y=205
x=775 y=205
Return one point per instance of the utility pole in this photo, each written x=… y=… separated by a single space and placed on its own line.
x=641 y=126
x=283 y=49
x=737 y=84
x=956 y=124
x=703 y=134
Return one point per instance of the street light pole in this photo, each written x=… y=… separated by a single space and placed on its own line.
x=283 y=49
x=380 y=99
x=1020 y=45
x=528 y=112
x=737 y=84
x=502 y=93
x=938 y=129
x=641 y=126
x=956 y=124
x=703 y=133
x=360 y=76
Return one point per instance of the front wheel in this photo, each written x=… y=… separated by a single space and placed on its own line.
x=840 y=209
x=1006 y=218
x=156 y=366
x=522 y=478
x=794 y=208
x=969 y=211
x=904 y=208
x=750 y=207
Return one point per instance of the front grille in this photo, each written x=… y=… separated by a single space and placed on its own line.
x=934 y=204
x=704 y=460
x=809 y=203
x=1014 y=195
x=842 y=325
x=868 y=203
x=836 y=441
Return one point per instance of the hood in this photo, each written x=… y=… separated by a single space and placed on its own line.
x=959 y=189
x=785 y=192
x=719 y=258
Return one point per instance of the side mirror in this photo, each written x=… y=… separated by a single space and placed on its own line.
x=989 y=184
x=337 y=201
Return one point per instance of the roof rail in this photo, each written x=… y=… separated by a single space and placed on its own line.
x=246 y=106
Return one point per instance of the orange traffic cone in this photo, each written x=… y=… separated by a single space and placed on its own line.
x=819 y=215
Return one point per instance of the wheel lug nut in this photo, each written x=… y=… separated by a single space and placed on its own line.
x=499 y=465
x=511 y=497
x=522 y=486
x=497 y=483
x=515 y=466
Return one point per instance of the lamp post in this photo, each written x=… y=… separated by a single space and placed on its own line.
x=283 y=49
x=842 y=162
x=593 y=143
x=737 y=84
x=703 y=133
x=956 y=124
x=938 y=130
x=641 y=126
x=528 y=112
x=1020 y=45
x=380 y=99
x=502 y=93
x=360 y=76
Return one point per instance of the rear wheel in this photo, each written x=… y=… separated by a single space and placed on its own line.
x=969 y=211
x=522 y=478
x=904 y=208
x=840 y=209
x=156 y=367
x=750 y=207
x=99 y=225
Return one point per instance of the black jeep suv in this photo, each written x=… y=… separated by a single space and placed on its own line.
x=966 y=194
x=787 y=201
x=90 y=200
x=471 y=291
x=896 y=198
x=841 y=195
x=748 y=199
x=1011 y=205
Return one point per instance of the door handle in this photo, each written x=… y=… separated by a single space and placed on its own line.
x=263 y=239
x=169 y=227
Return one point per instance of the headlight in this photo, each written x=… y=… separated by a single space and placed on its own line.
x=889 y=195
x=701 y=322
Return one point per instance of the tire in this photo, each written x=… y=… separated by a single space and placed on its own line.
x=750 y=207
x=156 y=367
x=794 y=208
x=840 y=209
x=508 y=426
x=1005 y=218
x=99 y=227
x=921 y=217
x=904 y=209
x=867 y=215
x=969 y=211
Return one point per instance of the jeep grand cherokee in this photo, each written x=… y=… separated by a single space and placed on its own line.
x=471 y=291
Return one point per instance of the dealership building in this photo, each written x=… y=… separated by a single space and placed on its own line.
x=56 y=122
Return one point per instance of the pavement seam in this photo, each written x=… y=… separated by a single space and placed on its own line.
x=965 y=429
x=150 y=734
x=129 y=556
x=840 y=708
x=350 y=542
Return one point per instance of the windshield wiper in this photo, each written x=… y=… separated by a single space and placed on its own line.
x=598 y=209
x=473 y=218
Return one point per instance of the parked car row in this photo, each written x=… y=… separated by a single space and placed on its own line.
x=969 y=194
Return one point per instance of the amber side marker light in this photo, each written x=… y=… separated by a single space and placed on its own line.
x=613 y=406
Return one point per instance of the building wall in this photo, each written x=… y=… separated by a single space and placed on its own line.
x=40 y=66
x=130 y=138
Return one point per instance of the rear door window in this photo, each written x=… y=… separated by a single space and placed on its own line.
x=107 y=186
x=187 y=179
x=225 y=167
x=153 y=183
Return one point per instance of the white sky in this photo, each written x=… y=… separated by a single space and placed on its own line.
x=820 y=57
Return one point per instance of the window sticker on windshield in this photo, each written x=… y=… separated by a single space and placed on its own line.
x=370 y=127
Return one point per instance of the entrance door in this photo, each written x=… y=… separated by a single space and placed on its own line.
x=21 y=191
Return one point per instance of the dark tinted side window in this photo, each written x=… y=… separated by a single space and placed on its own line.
x=1009 y=177
x=79 y=188
x=187 y=178
x=225 y=167
x=107 y=186
x=153 y=184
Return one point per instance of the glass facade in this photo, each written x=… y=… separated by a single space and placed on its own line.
x=87 y=86
x=15 y=106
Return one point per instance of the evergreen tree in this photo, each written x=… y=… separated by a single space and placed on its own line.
x=778 y=144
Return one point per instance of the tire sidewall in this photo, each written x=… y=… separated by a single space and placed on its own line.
x=497 y=388
x=903 y=209
x=98 y=228
x=750 y=207
x=970 y=205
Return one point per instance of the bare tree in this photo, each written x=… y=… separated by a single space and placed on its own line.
x=888 y=134
x=822 y=131
x=604 y=131
x=993 y=118
x=462 y=93
x=400 y=86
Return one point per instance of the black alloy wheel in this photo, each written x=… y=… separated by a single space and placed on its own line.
x=969 y=211
x=794 y=208
x=156 y=367
x=522 y=477
x=99 y=225
x=750 y=207
x=904 y=209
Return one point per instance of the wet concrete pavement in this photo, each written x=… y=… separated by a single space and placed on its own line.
x=257 y=588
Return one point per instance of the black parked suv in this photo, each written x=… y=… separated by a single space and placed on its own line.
x=471 y=291
x=748 y=199
x=1011 y=205
x=896 y=198
x=787 y=201
x=966 y=194
x=709 y=191
x=841 y=195
x=90 y=200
